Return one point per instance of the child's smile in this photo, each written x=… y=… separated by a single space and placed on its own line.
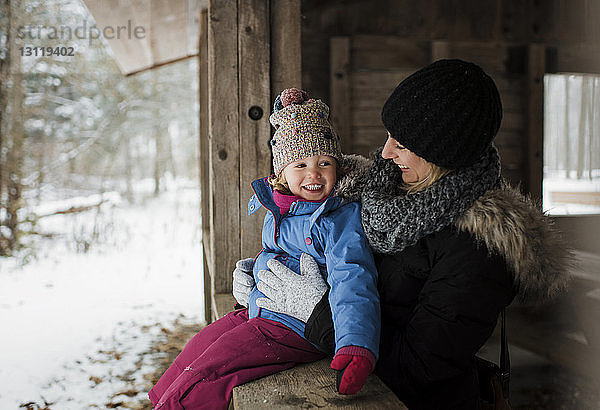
x=311 y=178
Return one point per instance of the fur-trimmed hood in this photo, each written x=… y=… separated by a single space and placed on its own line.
x=508 y=224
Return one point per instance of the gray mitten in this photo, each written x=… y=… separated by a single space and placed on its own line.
x=243 y=281
x=290 y=293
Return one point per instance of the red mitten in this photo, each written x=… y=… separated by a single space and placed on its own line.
x=354 y=364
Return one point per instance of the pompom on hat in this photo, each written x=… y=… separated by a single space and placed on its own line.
x=302 y=129
x=447 y=113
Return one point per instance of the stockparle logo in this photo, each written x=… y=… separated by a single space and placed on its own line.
x=81 y=32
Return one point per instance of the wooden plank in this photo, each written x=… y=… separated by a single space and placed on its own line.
x=580 y=231
x=376 y=52
x=374 y=98
x=130 y=55
x=255 y=133
x=168 y=34
x=490 y=56
x=511 y=157
x=515 y=177
x=224 y=140
x=513 y=121
x=204 y=148
x=340 y=92
x=512 y=100
x=440 y=50
x=223 y=303
x=536 y=68
x=382 y=80
x=584 y=198
x=311 y=386
x=286 y=49
x=509 y=138
x=367 y=117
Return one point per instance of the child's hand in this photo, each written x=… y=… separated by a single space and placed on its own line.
x=243 y=281
x=354 y=364
x=291 y=293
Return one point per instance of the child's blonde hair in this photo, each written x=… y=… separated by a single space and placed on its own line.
x=435 y=174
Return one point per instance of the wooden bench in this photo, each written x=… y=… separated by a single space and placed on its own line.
x=306 y=386
x=311 y=386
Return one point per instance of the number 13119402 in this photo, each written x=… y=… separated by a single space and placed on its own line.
x=47 y=51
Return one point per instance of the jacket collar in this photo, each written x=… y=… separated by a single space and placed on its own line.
x=263 y=196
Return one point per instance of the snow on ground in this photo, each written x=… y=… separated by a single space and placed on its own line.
x=67 y=308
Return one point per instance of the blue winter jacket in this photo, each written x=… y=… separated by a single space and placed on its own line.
x=332 y=233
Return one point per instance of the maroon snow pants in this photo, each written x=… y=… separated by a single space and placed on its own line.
x=227 y=353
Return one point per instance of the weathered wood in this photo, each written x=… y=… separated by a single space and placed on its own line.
x=513 y=121
x=222 y=303
x=204 y=156
x=286 y=50
x=224 y=141
x=147 y=33
x=377 y=52
x=340 y=92
x=384 y=80
x=570 y=197
x=440 y=50
x=254 y=133
x=536 y=68
x=311 y=386
x=580 y=231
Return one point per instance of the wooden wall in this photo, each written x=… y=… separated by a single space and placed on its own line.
x=252 y=50
x=355 y=52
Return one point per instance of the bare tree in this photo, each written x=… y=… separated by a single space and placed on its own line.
x=15 y=136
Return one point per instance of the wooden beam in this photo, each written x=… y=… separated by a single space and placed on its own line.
x=286 y=50
x=204 y=156
x=254 y=109
x=340 y=91
x=223 y=131
x=536 y=67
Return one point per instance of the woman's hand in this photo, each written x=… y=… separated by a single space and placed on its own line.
x=290 y=293
x=243 y=281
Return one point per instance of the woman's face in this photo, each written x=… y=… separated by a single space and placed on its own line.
x=413 y=167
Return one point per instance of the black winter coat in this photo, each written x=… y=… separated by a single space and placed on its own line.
x=440 y=298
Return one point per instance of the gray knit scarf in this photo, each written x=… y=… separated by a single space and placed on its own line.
x=394 y=220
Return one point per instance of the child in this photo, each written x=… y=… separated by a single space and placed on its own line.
x=304 y=216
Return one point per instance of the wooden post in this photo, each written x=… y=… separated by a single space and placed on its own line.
x=223 y=134
x=286 y=46
x=339 y=80
x=240 y=61
x=254 y=109
x=440 y=50
x=536 y=64
x=204 y=156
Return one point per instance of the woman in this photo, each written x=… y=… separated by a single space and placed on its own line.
x=453 y=245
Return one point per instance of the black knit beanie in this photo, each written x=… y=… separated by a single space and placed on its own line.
x=447 y=113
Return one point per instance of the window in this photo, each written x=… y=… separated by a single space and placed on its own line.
x=571 y=182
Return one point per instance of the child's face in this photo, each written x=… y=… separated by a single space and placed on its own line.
x=311 y=178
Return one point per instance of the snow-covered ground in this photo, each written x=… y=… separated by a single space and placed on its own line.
x=65 y=310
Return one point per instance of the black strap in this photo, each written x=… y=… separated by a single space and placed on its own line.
x=504 y=359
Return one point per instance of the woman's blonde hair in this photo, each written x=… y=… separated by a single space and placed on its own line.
x=434 y=175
